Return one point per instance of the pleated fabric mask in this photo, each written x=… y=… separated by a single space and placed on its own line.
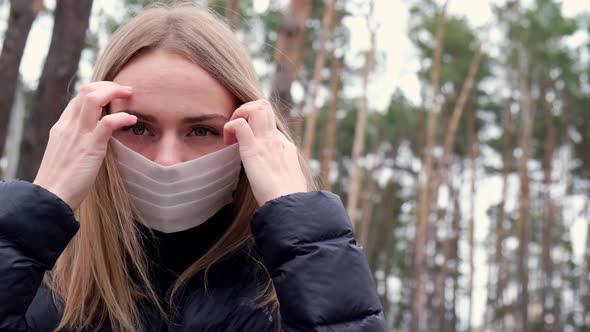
x=181 y=196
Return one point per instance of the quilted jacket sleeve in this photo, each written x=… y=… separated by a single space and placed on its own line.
x=321 y=277
x=35 y=227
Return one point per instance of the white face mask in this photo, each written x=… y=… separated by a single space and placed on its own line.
x=178 y=197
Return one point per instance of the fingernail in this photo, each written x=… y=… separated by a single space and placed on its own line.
x=128 y=88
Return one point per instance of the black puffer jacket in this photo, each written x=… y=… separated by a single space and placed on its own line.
x=321 y=277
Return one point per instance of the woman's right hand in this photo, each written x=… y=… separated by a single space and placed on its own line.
x=78 y=142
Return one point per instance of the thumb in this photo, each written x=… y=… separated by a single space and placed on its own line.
x=111 y=122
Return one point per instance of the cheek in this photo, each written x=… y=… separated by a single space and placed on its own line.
x=119 y=136
x=197 y=148
x=142 y=146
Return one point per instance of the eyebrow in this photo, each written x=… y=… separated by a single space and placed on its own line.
x=190 y=119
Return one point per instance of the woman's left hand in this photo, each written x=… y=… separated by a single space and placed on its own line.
x=270 y=160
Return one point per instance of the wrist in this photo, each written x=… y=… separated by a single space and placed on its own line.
x=61 y=194
x=277 y=195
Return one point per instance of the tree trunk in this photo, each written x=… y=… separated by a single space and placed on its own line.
x=585 y=278
x=20 y=19
x=390 y=240
x=327 y=27
x=386 y=221
x=457 y=216
x=361 y=124
x=500 y=234
x=330 y=140
x=525 y=197
x=472 y=143
x=59 y=75
x=232 y=13
x=441 y=174
x=454 y=121
x=15 y=133
x=425 y=182
x=439 y=308
x=420 y=125
x=289 y=54
x=367 y=213
x=547 y=231
x=296 y=118
x=450 y=257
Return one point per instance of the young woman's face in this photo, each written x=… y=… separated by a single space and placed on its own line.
x=181 y=109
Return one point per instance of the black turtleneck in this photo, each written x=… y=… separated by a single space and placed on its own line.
x=170 y=254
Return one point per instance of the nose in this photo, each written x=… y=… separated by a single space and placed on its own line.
x=168 y=151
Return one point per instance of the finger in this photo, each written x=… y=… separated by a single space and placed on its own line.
x=77 y=102
x=253 y=102
x=93 y=86
x=271 y=117
x=111 y=122
x=93 y=103
x=257 y=115
x=70 y=111
x=238 y=131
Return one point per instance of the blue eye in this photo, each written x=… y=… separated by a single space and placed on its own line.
x=138 y=129
x=201 y=131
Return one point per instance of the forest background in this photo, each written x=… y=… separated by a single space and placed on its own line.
x=455 y=132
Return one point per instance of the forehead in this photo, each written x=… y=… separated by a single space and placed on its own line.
x=162 y=81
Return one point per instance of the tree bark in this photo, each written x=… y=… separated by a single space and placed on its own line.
x=330 y=139
x=420 y=125
x=425 y=182
x=523 y=227
x=500 y=234
x=439 y=307
x=472 y=143
x=232 y=13
x=361 y=124
x=367 y=213
x=390 y=240
x=585 y=279
x=441 y=174
x=386 y=221
x=20 y=19
x=451 y=131
x=550 y=213
x=449 y=257
x=57 y=79
x=456 y=226
x=295 y=122
x=15 y=133
x=327 y=28
x=289 y=54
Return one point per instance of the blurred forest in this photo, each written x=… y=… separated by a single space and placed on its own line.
x=503 y=103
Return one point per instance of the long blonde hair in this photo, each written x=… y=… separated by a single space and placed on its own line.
x=103 y=274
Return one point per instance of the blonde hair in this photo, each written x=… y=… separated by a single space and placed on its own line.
x=103 y=274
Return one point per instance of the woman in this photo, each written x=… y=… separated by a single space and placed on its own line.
x=148 y=217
